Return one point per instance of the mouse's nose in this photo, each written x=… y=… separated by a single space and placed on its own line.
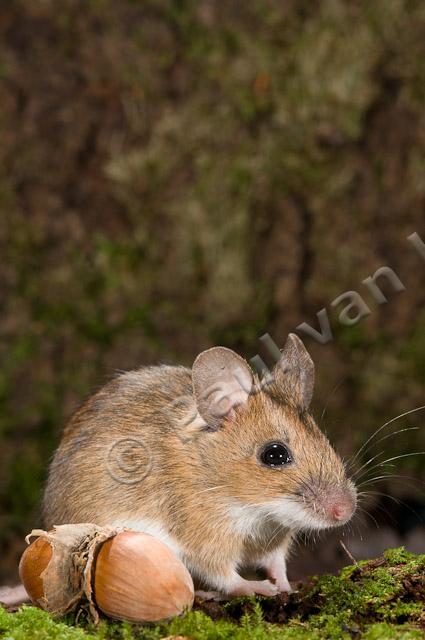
x=340 y=508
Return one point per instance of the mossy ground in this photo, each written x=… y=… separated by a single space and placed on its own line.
x=379 y=599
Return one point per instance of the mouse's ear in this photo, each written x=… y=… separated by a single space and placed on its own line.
x=221 y=380
x=294 y=373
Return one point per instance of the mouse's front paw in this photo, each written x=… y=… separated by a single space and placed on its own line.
x=253 y=587
x=283 y=585
x=266 y=588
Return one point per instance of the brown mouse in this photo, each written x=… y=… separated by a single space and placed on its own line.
x=222 y=468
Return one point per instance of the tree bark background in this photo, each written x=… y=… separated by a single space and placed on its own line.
x=178 y=175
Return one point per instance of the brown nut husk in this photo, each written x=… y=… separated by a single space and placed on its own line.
x=138 y=578
x=135 y=576
x=55 y=569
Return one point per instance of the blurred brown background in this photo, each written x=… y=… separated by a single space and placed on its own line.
x=180 y=174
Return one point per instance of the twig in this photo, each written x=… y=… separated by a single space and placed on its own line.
x=349 y=554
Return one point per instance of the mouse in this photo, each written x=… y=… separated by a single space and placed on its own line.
x=223 y=467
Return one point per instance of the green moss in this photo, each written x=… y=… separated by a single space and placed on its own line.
x=384 y=631
x=375 y=590
x=401 y=557
x=32 y=623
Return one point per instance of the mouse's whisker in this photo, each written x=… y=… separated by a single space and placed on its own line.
x=357 y=517
x=373 y=444
x=386 y=424
x=386 y=512
x=332 y=392
x=397 y=501
x=387 y=462
x=387 y=476
x=390 y=435
x=403 y=455
x=366 y=464
x=384 y=463
x=355 y=527
x=279 y=530
x=400 y=478
x=370 y=516
x=394 y=433
x=382 y=467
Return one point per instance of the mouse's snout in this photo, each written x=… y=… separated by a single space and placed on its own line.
x=328 y=504
x=335 y=504
x=339 y=506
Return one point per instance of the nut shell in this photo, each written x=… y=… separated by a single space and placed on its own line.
x=138 y=578
x=34 y=561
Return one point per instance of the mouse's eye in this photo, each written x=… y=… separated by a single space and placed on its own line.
x=275 y=454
